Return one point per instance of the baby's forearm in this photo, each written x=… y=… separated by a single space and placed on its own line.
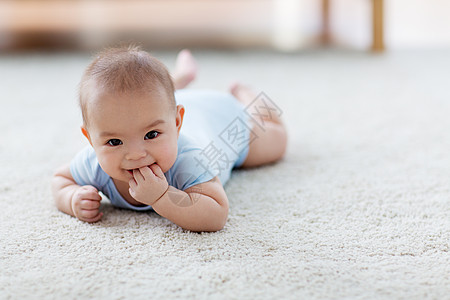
x=191 y=211
x=63 y=190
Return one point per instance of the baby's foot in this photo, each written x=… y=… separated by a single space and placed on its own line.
x=243 y=93
x=247 y=96
x=185 y=69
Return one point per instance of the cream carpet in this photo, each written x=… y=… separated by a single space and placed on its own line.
x=358 y=209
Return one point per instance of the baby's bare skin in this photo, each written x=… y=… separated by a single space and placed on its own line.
x=270 y=144
x=185 y=69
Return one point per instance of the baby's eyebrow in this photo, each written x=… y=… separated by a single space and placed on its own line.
x=105 y=133
x=159 y=121
x=153 y=124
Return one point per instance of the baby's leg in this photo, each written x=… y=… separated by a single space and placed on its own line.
x=271 y=139
x=185 y=69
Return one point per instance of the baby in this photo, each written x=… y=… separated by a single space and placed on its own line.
x=145 y=153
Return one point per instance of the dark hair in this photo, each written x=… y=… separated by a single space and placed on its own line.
x=122 y=70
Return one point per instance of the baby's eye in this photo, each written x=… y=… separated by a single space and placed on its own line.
x=114 y=142
x=151 y=135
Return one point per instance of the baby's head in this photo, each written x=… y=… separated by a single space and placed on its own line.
x=129 y=112
x=124 y=70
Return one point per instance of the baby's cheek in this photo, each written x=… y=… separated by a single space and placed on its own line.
x=108 y=164
x=169 y=156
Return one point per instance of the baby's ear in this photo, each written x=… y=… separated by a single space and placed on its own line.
x=180 y=116
x=86 y=134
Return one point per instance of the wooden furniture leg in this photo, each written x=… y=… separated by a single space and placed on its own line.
x=377 y=23
x=325 y=38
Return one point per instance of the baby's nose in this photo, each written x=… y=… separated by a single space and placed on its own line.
x=136 y=152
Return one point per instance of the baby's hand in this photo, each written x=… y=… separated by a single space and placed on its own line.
x=85 y=204
x=148 y=184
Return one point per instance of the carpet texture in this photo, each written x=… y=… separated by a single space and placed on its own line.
x=359 y=208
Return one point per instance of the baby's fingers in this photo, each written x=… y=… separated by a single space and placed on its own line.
x=94 y=219
x=138 y=177
x=90 y=204
x=157 y=170
x=90 y=193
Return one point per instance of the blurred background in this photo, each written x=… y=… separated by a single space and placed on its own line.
x=363 y=86
x=274 y=24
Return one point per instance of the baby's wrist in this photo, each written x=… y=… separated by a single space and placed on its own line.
x=71 y=203
x=163 y=194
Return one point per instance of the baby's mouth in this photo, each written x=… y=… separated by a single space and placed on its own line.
x=131 y=170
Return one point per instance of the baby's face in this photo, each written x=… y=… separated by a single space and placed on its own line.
x=129 y=132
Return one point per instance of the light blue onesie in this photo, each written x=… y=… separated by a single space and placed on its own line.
x=214 y=138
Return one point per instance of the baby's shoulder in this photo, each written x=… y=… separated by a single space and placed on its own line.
x=188 y=169
x=85 y=168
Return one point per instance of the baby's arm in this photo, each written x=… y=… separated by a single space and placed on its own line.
x=82 y=202
x=203 y=207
